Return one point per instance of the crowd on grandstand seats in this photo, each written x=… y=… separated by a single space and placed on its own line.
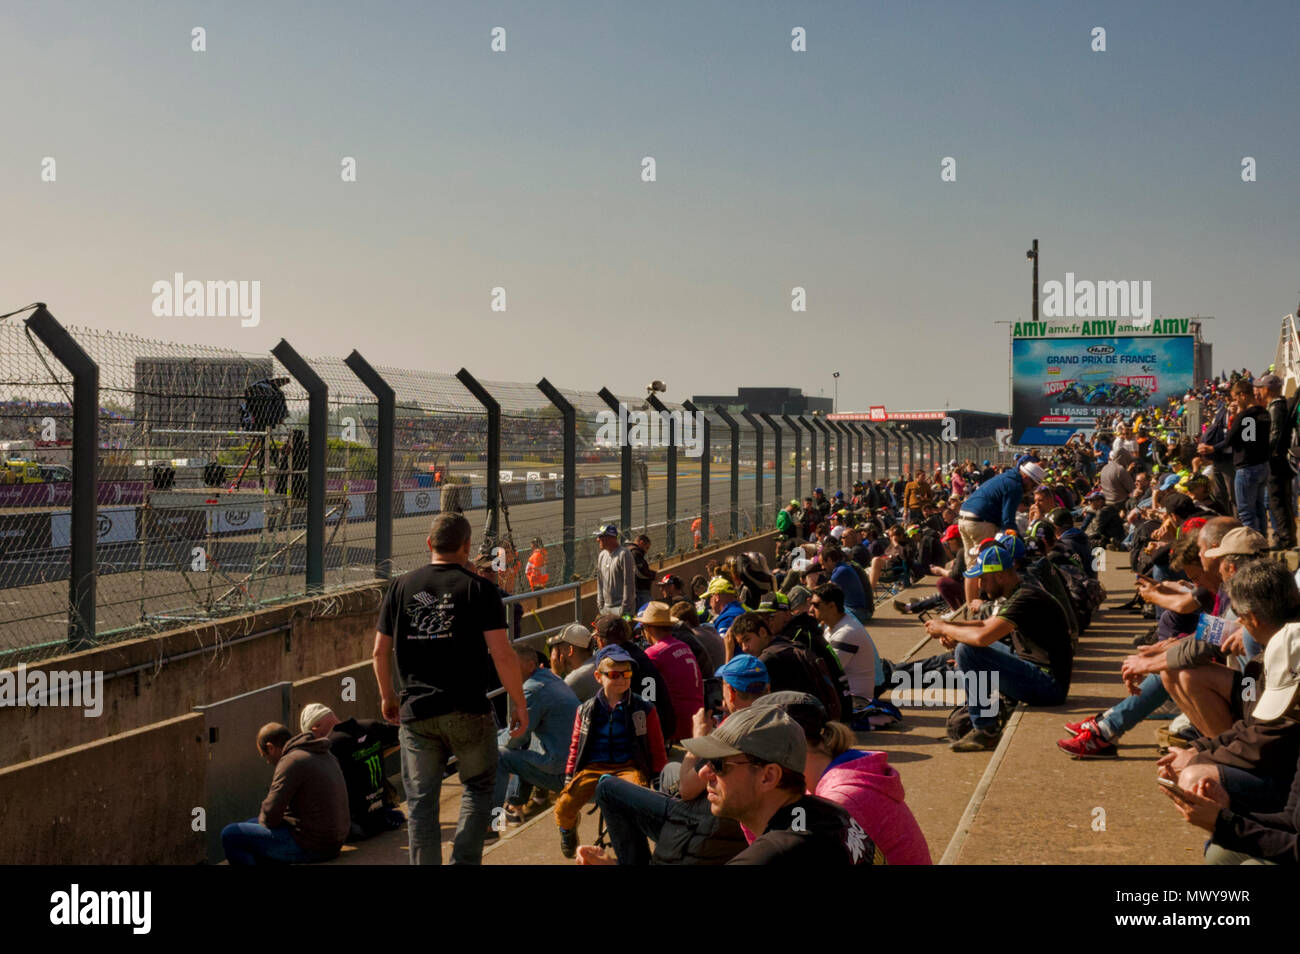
x=760 y=672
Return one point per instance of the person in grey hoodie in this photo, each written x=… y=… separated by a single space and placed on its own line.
x=305 y=815
x=615 y=575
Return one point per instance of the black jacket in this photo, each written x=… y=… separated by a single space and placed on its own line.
x=1248 y=453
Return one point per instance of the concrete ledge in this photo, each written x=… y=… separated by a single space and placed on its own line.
x=127 y=799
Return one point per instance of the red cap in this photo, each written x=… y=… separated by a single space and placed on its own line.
x=952 y=533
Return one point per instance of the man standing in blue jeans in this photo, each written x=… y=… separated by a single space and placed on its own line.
x=538 y=757
x=1035 y=669
x=445 y=623
x=1249 y=441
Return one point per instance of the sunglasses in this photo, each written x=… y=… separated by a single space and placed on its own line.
x=719 y=766
x=616 y=673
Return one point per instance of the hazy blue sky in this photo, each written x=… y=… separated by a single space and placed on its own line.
x=522 y=169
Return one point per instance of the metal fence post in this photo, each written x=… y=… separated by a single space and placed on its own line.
x=757 y=425
x=798 y=456
x=670 y=526
x=822 y=426
x=625 y=464
x=570 y=418
x=493 y=501
x=732 y=423
x=812 y=451
x=898 y=437
x=85 y=472
x=705 y=459
x=840 y=454
x=385 y=450
x=777 y=487
x=317 y=435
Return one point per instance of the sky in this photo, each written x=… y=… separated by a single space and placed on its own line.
x=774 y=169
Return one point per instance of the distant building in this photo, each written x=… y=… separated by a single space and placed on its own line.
x=766 y=401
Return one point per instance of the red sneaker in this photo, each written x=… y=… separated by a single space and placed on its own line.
x=1074 y=728
x=1088 y=745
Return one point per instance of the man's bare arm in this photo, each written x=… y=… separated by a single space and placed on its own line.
x=382 y=661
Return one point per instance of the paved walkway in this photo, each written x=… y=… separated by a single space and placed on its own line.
x=1025 y=803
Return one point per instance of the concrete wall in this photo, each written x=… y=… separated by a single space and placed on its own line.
x=124 y=800
x=290 y=643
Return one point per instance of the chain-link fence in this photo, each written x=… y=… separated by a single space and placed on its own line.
x=207 y=503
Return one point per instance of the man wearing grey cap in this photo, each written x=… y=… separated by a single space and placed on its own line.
x=571 y=652
x=1281 y=474
x=752 y=766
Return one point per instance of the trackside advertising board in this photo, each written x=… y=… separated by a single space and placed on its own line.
x=1061 y=385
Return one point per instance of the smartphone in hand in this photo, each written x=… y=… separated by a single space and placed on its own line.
x=1173 y=787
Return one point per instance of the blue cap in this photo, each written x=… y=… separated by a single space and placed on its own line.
x=839 y=495
x=1013 y=544
x=818 y=490
x=992 y=559
x=744 y=673
x=1170 y=481
x=985 y=464
x=612 y=651
x=608 y=530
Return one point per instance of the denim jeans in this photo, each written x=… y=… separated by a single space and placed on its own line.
x=250 y=843
x=1251 y=488
x=1123 y=716
x=518 y=770
x=632 y=815
x=1016 y=678
x=427 y=745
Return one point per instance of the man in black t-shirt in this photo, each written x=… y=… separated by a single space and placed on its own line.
x=359 y=745
x=753 y=769
x=1034 y=669
x=444 y=621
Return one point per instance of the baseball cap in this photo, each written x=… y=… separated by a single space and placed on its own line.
x=1170 y=481
x=616 y=653
x=798 y=596
x=839 y=495
x=1033 y=471
x=313 y=714
x=1281 y=673
x=1241 y=540
x=1268 y=381
x=818 y=490
x=992 y=559
x=655 y=614
x=575 y=634
x=764 y=733
x=773 y=603
x=671 y=579
x=744 y=673
x=985 y=464
x=608 y=530
x=720 y=584
x=952 y=533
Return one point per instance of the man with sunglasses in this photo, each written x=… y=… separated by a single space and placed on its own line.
x=752 y=766
x=616 y=732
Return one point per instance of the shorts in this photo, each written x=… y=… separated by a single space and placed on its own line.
x=973 y=531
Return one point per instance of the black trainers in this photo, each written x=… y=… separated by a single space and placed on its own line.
x=977 y=740
x=902 y=606
x=568 y=842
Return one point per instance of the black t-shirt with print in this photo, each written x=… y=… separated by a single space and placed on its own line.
x=809 y=832
x=1042 y=633
x=437 y=616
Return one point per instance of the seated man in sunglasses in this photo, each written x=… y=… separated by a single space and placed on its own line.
x=616 y=732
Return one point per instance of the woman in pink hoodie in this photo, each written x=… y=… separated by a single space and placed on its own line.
x=863 y=783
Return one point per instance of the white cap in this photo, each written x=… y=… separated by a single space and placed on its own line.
x=313 y=714
x=1281 y=673
x=1033 y=472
